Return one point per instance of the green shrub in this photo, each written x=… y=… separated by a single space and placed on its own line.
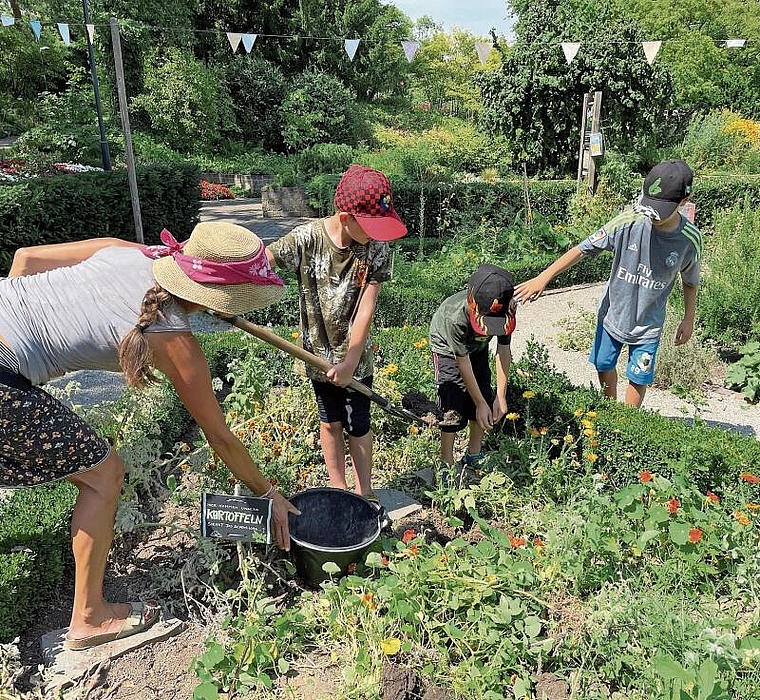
x=715 y=193
x=325 y=158
x=257 y=88
x=65 y=208
x=34 y=549
x=317 y=109
x=186 y=103
x=729 y=300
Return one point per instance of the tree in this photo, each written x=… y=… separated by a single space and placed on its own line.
x=535 y=98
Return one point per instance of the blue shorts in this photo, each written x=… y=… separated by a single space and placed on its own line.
x=336 y=404
x=606 y=351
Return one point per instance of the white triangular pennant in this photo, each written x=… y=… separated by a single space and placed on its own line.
x=63 y=28
x=90 y=32
x=234 y=39
x=8 y=21
x=36 y=26
x=734 y=43
x=483 y=49
x=351 y=45
x=248 y=41
x=410 y=48
x=571 y=50
x=651 y=49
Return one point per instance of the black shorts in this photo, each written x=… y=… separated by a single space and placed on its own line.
x=453 y=394
x=338 y=405
x=41 y=440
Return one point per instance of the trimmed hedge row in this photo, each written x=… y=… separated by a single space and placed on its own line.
x=35 y=545
x=63 y=208
x=713 y=193
x=433 y=209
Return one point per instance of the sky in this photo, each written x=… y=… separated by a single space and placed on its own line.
x=476 y=15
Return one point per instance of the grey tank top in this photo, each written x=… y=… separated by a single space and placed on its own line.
x=73 y=318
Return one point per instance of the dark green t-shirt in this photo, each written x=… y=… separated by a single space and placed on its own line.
x=330 y=281
x=451 y=332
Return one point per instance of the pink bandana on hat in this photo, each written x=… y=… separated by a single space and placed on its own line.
x=255 y=270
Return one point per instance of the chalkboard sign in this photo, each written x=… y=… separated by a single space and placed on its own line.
x=237 y=518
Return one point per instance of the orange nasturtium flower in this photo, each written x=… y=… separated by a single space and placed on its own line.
x=713 y=498
x=539 y=544
x=414 y=550
x=534 y=432
x=673 y=505
x=695 y=534
x=408 y=536
x=742 y=518
x=645 y=477
x=753 y=506
x=368 y=599
x=749 y=478
x=351 y=568
x=516 y=541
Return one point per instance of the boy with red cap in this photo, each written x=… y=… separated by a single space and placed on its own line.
x=459 y=334
x=341 y=262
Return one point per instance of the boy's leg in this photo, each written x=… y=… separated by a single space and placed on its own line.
x=482 y=371
x=640 y=371
x=357 y=422
x=452 y=396
x=447 y=447
x=330 y=408
x=475 y=444
x=604 y=356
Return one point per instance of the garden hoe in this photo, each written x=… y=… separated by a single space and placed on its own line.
x=315 y=361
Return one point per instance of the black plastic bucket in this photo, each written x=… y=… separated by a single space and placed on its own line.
x=334 y=525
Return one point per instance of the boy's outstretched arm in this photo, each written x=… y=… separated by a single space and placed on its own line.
x=342 y=373
x=503 y=363
x=532 y=289
x=686 y=327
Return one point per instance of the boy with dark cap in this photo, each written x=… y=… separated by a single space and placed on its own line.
x=651 y=244
x=341 y=263
x=460 y=331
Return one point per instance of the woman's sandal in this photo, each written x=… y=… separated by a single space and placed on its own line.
x=142 y=617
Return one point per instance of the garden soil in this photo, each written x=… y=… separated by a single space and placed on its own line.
x=164 y=669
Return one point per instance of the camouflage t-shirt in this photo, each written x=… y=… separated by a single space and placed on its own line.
x=330 y=283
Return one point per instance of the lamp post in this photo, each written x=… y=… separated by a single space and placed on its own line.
x=105 y=154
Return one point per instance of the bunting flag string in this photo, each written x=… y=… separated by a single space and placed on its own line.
x=350 y=45
x=410 y=48
x=651 y=49
x=483 y=49
x=63 y=29
x=570 y=49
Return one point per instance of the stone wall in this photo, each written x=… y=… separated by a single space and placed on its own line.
x=285 y=201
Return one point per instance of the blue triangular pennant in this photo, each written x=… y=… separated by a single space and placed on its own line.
x=36 y=26
x=8 y=21
x=248 y=41
x=351 y=45
x=63 y=28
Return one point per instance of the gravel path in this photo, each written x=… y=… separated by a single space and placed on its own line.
x=724 y=409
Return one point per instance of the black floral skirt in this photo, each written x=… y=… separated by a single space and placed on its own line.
x=41 y=440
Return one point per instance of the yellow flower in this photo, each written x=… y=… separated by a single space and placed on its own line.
x=591 y=457
x=534 y=433
x=391 y=368
x=544 y=430
x=528 y=394
x=390 y=646
x=512 y=416
x=414 y=430
x=742 y=518
x=578 y=412
x=588 y=432
x=569 y=439
x=594 y=443
x=555 y=441
x=591 y=414
x=295 y=335
x=421 y=343
x=587 y=423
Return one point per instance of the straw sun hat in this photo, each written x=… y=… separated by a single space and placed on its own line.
x=220 y=243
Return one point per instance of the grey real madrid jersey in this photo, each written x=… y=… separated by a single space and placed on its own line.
x=74 y=317
x=644 y=267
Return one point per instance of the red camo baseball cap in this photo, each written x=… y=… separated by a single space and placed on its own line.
x=366 y=195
